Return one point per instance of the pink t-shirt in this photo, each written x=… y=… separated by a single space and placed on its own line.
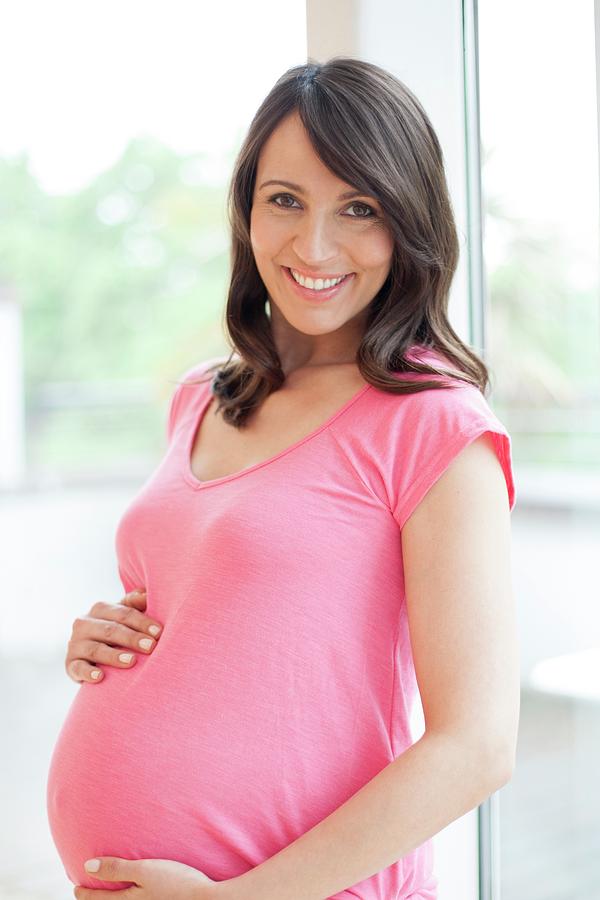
x=283 y=680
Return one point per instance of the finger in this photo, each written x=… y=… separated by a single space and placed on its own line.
x=79 y=670
x=107 y=632
x=134 y=618
x=84 y=657
x=123 y=613
x=82 y=893
x=95 y=654
x=108 y=624
x=114 y=868
x=135 y=598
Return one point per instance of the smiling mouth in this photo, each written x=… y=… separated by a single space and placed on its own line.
x=316 y=276
x=338 y=279
x=316 y=294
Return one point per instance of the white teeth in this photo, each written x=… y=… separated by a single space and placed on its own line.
x=317 y=284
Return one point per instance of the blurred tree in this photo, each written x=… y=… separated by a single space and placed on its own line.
x=124 y=278
x=544 y=337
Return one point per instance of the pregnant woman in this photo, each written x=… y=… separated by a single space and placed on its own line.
x=326 y=539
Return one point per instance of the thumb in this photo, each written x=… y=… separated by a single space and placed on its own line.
x=113 y=868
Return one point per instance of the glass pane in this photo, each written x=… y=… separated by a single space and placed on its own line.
x=540 y=181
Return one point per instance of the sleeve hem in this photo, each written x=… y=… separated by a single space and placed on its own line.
x=416 y=492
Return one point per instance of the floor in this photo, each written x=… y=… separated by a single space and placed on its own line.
x=550 y=810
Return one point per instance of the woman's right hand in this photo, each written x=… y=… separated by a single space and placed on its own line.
x=101 y=635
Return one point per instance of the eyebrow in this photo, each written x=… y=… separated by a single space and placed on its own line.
x=296 y=187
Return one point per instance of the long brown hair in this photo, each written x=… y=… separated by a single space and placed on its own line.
x=370 y=130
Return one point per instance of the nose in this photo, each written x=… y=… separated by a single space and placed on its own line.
x=315 y=241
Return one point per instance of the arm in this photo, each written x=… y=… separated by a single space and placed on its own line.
x=456 y=552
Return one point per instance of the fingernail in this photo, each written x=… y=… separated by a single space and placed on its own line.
x=95 y=673
x=154 y=629
x=126 y=657
x=92 y=865
x=146 y=643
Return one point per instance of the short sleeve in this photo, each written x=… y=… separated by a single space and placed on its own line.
x=181 y=394
x=432 y=429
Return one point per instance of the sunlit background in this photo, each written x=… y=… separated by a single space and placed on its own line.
x=540 y=180
x=117 y=140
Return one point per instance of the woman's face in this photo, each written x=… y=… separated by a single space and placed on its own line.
x=314 y=231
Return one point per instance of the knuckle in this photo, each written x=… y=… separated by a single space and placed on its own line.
x=97 y=608
x=126 y=614
x=108 y=629
x=92 y=650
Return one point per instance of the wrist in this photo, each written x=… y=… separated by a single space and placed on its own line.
x=230 y=889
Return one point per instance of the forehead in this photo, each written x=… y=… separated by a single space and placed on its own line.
x=288 y=153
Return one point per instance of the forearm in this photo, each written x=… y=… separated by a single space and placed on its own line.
x=434 y=782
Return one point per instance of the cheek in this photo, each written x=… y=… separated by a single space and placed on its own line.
x=376 y=252
x=255 y=233
x=265 y=236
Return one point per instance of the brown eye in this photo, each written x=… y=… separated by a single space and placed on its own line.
x=277 y=197
x=363 y=206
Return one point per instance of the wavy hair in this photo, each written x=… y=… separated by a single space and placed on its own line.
x=370 y=130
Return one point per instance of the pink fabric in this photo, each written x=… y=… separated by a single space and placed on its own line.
x=284 y=679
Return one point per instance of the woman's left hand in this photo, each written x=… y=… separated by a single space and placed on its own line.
x=154 y=879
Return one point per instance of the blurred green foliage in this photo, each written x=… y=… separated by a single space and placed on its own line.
x=125 y=278
x=543 y=342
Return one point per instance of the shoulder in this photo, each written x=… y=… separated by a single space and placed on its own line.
x=200 y=369
x=434 y=415
x=189 y=388
x=454 y=405
x=410 y=440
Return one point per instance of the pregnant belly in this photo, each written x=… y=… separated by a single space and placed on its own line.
x=204 y=753
x=135 y=773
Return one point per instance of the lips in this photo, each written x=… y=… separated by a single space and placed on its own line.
x=316 y=275
x=311 y=294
